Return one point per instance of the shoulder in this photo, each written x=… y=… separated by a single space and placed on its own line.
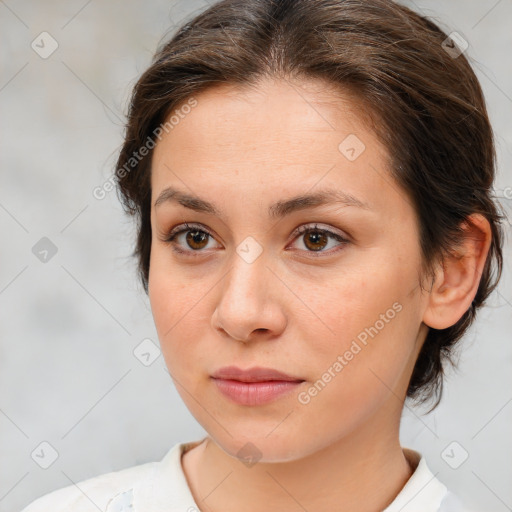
x=452 y=503
x=424 y=491
x=146 y=488
x=92 y=494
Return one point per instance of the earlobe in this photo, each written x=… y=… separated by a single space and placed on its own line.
x=457 y=279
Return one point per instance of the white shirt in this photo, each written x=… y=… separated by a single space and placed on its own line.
x=162 y=487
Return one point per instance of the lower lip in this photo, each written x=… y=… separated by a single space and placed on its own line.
x=255 y=393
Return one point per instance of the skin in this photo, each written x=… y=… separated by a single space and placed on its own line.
x=243 y=150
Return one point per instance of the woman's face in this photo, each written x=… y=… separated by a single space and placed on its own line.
x=338 y=307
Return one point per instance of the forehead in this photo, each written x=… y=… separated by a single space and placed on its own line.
x=275 y=137
x=267 y=109
x=281 y=116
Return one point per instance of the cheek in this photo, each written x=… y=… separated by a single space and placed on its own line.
x=177 y=305
x=369 y=320
x=343 y=305
x=171 y=295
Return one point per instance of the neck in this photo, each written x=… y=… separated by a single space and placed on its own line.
x=362 y=471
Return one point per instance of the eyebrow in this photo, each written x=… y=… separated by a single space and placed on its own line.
x=277 y=210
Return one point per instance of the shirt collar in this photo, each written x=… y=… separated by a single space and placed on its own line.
x=164 y=488
x=423 y=491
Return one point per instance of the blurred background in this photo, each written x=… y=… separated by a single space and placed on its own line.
x=77 y=396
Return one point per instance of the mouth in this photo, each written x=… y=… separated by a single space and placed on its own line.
x=255 y=386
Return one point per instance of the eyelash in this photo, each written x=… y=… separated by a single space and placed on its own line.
x=299 y=231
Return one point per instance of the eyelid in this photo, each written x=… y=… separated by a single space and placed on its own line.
x=317 y=226
x=188 y=227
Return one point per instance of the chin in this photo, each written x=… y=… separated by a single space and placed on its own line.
x=261 y=447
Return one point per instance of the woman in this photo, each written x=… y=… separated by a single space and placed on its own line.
x=312 y=187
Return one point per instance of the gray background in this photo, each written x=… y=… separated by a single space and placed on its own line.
x=68 y=327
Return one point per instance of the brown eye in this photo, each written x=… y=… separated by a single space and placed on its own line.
x=197 y=239
x=189 y=240
x=315 y=240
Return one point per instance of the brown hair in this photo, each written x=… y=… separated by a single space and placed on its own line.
x=427 y=105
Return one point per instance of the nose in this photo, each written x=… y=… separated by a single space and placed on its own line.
x=250 y=302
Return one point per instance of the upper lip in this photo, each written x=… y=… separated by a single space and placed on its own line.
x=254 y=374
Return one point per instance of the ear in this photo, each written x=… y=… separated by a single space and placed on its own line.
x=457 y=279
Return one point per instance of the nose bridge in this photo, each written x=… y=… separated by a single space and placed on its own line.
x=246 y=280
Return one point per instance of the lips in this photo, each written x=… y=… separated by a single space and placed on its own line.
x=254 y=386
x=254 y=374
